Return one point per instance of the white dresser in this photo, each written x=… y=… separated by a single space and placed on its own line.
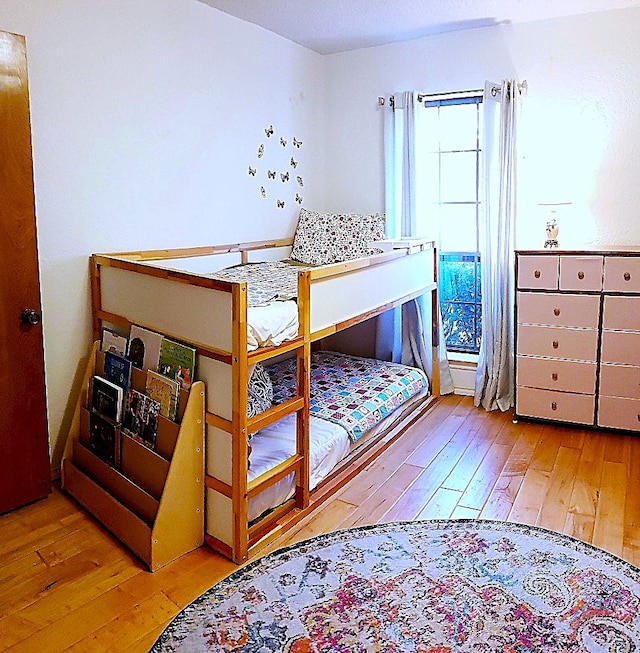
x=578 y=337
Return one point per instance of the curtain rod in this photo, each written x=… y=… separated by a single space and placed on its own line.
x=422 y=96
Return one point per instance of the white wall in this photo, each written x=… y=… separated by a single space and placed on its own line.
x=146 y=115
x=579 y=129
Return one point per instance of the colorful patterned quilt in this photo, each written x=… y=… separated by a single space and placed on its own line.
x=356 y=393
x=267 y=281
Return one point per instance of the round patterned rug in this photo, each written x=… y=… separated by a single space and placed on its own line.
x=429 y=586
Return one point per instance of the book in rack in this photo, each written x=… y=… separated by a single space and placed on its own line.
x=164 y=390
x=107 y=398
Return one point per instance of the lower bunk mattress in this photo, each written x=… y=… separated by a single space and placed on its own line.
x=353 y=399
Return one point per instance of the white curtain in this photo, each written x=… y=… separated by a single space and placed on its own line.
x=494 y=377
x=401 y=333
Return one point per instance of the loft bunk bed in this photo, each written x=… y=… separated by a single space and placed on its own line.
x=186 y=295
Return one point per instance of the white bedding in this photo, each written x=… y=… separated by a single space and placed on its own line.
x=271 y=325
x=329 y=443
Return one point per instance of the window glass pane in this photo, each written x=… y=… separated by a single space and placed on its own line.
x=458 y=177
x=458 y=127
x=458 y=232
x=430 y=129
x=430 y=177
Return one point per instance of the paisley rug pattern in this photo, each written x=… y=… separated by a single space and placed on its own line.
x=437 y=586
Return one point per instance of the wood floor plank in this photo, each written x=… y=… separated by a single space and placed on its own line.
x=437 y=469
x=557 y=501
x=580 y=518
x=441 y=505
x=371 y=509
x=608 y=532
x=486 y=476
x=530 y=497
x=330 y=518
x=504 y=492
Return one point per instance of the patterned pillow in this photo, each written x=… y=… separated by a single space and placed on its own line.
x=323 y=238
x=260 y=391
x=353 y=234
x=312 y=241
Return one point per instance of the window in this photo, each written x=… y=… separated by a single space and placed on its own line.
x=449 y=143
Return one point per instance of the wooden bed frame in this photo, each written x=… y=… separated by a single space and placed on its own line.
x=168 y=291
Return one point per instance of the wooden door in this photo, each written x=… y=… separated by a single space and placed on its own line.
x=25 y=473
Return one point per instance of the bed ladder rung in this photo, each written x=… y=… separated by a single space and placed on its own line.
x=273 y=475
x=274 y=413
x=264 y=353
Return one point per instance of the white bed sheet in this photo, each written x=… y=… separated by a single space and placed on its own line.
x=271 y=325
x=329 y=444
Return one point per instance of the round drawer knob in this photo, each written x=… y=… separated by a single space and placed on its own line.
x=556 y=311
x=536 y=274
x=554 y=376
x=581 y=275
x=555 y=344
x=554 y=405
x=627 y=276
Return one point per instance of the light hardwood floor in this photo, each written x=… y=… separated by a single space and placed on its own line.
x=66 y=584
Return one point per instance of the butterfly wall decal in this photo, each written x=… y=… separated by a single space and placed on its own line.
x=296 y=143
x=263 y=191
x=284 y=176
x=261 y=150
x=280 y=204
x=269 y=131
x=298 y=198
x=299 y=180
x=283 y=141
x=271 y=174
x=294 y=163
x=252 y=171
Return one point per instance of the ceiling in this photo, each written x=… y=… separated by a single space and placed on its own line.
x=329 y=26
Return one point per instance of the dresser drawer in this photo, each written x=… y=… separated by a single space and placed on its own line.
x=619 y=413
x=553 y=374
x=558 y=310
x=621 y=312
x=620 y=381
x=581 y=273
x=549 y=404
x=620 y=347
x=538 y=272
x=576 y=344
x=622 y=273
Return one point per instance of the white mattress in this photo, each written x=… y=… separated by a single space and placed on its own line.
x=271 y=325
x=329 y=444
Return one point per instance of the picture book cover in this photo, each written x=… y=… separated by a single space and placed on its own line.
x=117 y=369
x=107 y=398
x=144 y=348
x=113 y=342
x=178 y=362
x=140 y=418
x=104 y=438
x=164 y=390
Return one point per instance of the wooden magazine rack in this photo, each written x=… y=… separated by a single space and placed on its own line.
x=154 y=501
